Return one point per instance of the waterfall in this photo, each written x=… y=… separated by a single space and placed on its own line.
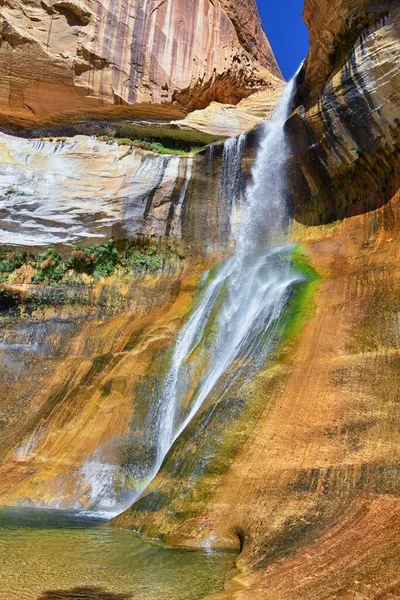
x=235 y=322
x=233 y=180
x=243 y=302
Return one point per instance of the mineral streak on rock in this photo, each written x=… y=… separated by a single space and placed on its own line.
x=65 y=192
x=345 y=136
x=79 y=190
x=65 y=60
x=334 y=27
x=67 y=432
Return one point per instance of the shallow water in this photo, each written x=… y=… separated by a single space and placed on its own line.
x=54 y=555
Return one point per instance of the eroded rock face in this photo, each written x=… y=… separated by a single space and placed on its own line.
x=345 y=137
x=333 y=27
x=82 y=190
x=299 y=467
x=63 y=60
x=227 y=120
x=70 y=432
x=65 y=192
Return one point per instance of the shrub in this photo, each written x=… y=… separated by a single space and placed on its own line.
x=166 y=146
x=10 y=260
x=142 y=261
x=99 y=261
x=50 y=267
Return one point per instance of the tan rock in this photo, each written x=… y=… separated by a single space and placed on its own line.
x=81 y=190
x=345 y=140
x=334 y=27
x=68 y=60
x=227 y=120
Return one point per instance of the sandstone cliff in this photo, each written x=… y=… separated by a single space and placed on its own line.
x=82 y=190
x=69 y=60
x=344 y=134
x=299 y=467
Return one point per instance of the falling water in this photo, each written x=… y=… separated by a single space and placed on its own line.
x=243 y=302
x=233 y=180
x=235 y=323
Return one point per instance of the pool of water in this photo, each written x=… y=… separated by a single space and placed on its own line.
x=54 y=555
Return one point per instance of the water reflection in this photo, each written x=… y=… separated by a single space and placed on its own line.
x=55 y=555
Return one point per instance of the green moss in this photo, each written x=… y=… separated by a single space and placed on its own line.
x=301 y=304
x=168 y=146
x=141 y=261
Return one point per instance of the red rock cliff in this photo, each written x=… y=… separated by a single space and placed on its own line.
x=64 y=59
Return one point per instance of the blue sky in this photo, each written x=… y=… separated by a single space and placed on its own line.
x=286 y=32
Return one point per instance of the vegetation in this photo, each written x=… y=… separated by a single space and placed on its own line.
x=98 y=262
x=140 y=261
x=301 y=305
x=174 y=146
x=50 y=267
x=10 y=260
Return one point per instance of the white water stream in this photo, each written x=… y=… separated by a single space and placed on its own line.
x=248 y=293
x=235 y=323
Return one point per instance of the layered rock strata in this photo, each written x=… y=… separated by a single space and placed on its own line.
x=227 y=120
x=345 y=135
x=299 y=468
x=77 y=433
x=82 y=190
x=69 y=60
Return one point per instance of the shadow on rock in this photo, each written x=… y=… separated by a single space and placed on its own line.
x=83 y=593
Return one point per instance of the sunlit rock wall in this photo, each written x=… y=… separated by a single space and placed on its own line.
x=299 y=467
x=64 y=60
x=80 y=376
x=83 y=190
x=64 y=192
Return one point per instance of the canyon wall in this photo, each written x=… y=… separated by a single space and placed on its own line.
x=80 y=59
x=81 y=372
x=299 y=467
x=81 y=190
x=345 y=134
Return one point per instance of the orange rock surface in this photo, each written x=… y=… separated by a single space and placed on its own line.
x=77 y=59
x=311 y=493
x=78 y=408
x=300 y=468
